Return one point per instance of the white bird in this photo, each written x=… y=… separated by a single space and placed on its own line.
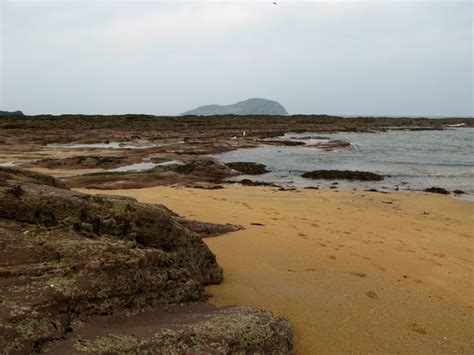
x=234 y=137
x=243 y=133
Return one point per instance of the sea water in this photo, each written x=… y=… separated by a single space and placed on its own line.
x=407 y=159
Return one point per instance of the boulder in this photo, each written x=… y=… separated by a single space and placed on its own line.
x=437 y=190
x=248 y=168
x=342 y=175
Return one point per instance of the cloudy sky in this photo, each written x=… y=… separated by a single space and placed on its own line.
x=165 y=57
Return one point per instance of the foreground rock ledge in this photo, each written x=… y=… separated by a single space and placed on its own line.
x=70 y=262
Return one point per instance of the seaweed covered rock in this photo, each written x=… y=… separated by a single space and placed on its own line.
x=66 y=256
x=343 y=175
x=248 y=168
x=437 y=190
x=82 y=161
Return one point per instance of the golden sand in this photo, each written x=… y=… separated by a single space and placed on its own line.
x=354 y=271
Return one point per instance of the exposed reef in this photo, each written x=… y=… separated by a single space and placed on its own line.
x=248 y=168
x=70 y=260
x=135 y=151
x=343 y=175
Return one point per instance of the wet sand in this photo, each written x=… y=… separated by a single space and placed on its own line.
x=354 y=271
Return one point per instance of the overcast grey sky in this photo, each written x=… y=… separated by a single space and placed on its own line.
x=165 y=57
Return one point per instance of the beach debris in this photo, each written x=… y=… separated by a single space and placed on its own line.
x=359 y=274
x=437 y=190
x=417 y=328
x=372 y=294
x=248 y=182
x=375 y=190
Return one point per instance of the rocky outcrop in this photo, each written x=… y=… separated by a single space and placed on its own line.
x=437 y=190
x=247 y=107
x=191 y=173
x=331 y=145
x=342 y=175
x=82 y=161
x=248 y=168
x=181 y=329
x=67 y=256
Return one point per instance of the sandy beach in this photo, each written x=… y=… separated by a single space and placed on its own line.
x=354 y=271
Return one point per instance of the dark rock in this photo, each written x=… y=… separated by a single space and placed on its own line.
x=459 y=192
x=375 y=190
x=248 y=168
x=283 y=142
x=16 y=191
x=208 y=187
x=247 y=182
x=437 y=190
x=342 y=174
x=287 y=189
x=184 y=169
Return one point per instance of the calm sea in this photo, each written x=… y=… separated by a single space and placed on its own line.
x=407 y=159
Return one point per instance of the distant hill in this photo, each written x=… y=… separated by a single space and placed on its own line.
x=11 y=113
x=247 y=107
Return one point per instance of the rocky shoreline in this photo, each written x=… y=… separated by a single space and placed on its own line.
x=135 y=151
x=70 y=261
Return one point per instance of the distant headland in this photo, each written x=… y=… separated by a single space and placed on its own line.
x=11 y=113
x=253 y=106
